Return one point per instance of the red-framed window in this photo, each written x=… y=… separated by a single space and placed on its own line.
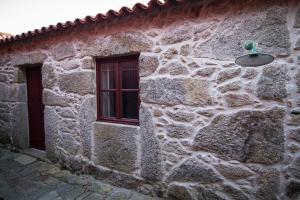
x=118 y=89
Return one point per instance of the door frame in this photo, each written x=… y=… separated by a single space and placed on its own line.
x=20 y=136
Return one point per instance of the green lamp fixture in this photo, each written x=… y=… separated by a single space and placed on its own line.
x=253 y=59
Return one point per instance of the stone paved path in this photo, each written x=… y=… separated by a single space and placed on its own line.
x=24 y=177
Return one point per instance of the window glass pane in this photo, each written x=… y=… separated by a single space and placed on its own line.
x=130 y=79
x=107 y=71
x=108 y=104
x=125 y=65
x=130 y=105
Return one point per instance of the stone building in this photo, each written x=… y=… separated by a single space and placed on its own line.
x=150 y=98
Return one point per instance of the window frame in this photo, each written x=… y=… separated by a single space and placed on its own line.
x=118 y=90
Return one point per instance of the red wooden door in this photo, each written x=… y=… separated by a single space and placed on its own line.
x=35 y=108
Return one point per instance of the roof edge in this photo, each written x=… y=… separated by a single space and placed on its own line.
x=111 y=14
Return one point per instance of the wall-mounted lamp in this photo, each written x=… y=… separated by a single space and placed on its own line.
x=253 y=59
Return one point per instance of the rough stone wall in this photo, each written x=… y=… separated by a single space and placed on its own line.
x=208 y=129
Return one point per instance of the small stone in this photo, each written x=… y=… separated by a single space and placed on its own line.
x=179 y=131
x=163 y=121
x=147 y=65
x=205 y=72
x=268 y=183
x=161 y=137
x=185 y=50
x=157 y=113
x=193 y=65
x=204 y=192
x=3 y=78
x=179 y=192
x=193 y=170
x=293 y=148
x=250 y=73
x=227 y=65
x=234 y=86
x=176 y=34
x=181 y=116
x=294 y=118
x=197 y=92
x=176 y=68
x=234 y=192
x=206 y=113
x=249 y=87
x=294 y=167
x=172 y=158
x=233 y=172
x=228 y=74
x=152 y=34
x=186 y=143
x=295 y=134
x=88 y=63
x=163 y=70
x=210 y=63
x=272 y=83
x=5 y=59
x=25 y=160
x=236 y=100
x=174 y=147
x=157 y=50
x=169 y=54
x=298 y=102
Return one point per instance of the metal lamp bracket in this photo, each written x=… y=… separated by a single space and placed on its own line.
x=251 y=46
x=255 y=58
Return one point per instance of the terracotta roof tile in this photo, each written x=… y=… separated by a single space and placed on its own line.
x=4 y=35
x=99 y=17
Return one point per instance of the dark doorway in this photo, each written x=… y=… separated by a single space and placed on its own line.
x=35 y=108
